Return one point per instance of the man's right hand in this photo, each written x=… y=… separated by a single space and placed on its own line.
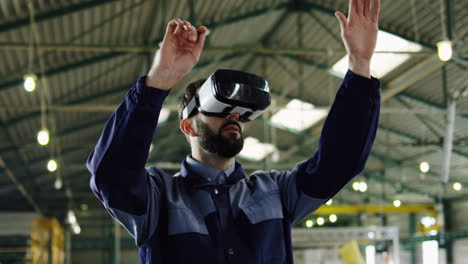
x=179 y=52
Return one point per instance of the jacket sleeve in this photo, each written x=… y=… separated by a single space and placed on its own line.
x=117 y=163
x=345 y=143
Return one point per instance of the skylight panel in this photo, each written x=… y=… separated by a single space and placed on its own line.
x=298 y=116
x=256 y=150
x=383 y=63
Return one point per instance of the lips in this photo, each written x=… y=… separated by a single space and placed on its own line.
x=232 y=127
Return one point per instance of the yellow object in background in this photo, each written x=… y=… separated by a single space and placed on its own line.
x=350 y=253
x=47 y=241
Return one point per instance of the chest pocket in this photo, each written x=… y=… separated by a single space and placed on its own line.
x=184 y=220
x=263 y=206
x=186 y=211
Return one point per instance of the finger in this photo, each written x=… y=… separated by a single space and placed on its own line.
x=171 y=26
x=342 y=19
x=375 y=11
x=366 y=8
x=178 y=24
x=352 y=7
x=192 y=33
x=359 y=7
x=202 y=33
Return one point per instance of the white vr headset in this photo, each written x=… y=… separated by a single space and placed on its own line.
x=229 y=91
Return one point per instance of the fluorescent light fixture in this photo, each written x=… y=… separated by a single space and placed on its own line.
x=444 y=50
x=298 y=116
x=383 y=63
x=164 y=115
x=255 y=150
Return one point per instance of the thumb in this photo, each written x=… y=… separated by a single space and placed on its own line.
x=202 y=33
x=342 y=19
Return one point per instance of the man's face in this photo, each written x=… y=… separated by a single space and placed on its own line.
x=222 y=136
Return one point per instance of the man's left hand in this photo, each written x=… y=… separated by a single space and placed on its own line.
x=359 y=34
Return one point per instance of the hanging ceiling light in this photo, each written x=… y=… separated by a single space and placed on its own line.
x=58 y=183
x=363 y=187
x=52 y=165
x=444 y=50
x=424 y=167
x=457 y=186
x=320 y=221
x=30 y=82
x=356 y=186
x=76 y=228
x=71 y=217
x=43 y=137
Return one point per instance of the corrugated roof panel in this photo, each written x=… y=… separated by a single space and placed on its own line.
x=240 y=33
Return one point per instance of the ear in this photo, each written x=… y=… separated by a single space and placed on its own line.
x=187 y=127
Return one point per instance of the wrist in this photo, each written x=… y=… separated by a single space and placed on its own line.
x=160 y=79
x=360 y=66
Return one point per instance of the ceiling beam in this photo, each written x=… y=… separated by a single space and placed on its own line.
x=22 y=188
x=63 y=68
x=109 y=108
x=104 y=48
x=251 y=14
x=223 y=22
x=54 y=13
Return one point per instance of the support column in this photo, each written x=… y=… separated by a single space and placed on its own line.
x=448 y=228
x=67 y=245
x=412 y=232
x=116 y=244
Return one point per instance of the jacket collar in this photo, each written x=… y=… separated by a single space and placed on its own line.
x=197 y=180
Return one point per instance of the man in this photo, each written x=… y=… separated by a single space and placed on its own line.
x=210 y=212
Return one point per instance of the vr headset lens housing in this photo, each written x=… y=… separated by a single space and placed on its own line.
x=229 y=91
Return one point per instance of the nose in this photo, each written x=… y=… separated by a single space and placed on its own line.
x=233 y=116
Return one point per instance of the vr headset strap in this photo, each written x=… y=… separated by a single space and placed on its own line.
x=194 y=103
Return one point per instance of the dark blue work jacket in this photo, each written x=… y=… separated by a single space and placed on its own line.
x=187 y=218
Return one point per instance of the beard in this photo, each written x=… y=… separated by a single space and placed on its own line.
x=224 y=146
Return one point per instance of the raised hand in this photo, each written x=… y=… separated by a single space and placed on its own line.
x=179 y=52
x=359 y=34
